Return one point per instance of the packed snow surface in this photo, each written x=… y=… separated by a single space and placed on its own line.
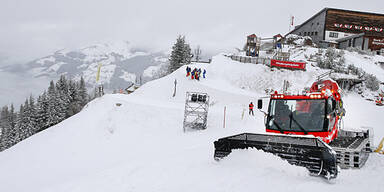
x=141 y=146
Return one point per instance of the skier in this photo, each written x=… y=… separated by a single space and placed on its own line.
x=204 y=72
x=251 y=109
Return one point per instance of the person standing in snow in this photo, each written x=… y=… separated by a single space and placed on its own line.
x=251 y=109
x=188 y=71
x=204 y=72
x=193 y=73
x=197 y=75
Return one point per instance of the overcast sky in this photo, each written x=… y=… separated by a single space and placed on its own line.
x=34 y=28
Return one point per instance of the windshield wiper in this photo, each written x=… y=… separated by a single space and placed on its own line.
x=301 y=127
x=277 y=125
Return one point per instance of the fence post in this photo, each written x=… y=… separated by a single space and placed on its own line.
x=225 y=108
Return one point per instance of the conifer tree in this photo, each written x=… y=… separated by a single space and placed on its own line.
x=187 y=54
x=22 y=121
x=83 y=95
x=63 y=98
x=32 y=116
x=27 y=119
x=4 y=128
x=180 y=55
x=41 y=112
x=53 y=107
x=12 y=117
x=14 y=133
x=74 y=103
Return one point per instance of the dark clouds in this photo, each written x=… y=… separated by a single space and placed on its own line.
x=31 y=29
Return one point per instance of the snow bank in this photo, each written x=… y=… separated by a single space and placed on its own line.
x=367 y=62
x=299 y=40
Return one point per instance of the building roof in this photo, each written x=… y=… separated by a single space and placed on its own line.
x=278 y=35
x=349 y=37
x=326 y=9
x=362 y=12
x=328 y=41
x=305 y=22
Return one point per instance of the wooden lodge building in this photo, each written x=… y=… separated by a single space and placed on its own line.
x=344 y=28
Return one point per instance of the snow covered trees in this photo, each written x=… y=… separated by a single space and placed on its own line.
x=180 y=55
x=8 y=134
x=334 y=60
x=371 y=82
x=60 y=101
x=4 y=128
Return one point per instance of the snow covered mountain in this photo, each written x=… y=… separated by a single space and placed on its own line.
x=140 y=145
x=121 y=64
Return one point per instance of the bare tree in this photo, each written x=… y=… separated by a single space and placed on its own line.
x=197 y=53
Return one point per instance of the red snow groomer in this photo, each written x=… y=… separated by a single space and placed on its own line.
x=305 y=130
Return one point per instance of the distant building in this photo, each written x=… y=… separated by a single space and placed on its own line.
x=344 y=28
x=253 y=46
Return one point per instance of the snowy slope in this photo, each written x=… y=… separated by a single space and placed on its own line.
x=369 y=63
x=140 y=146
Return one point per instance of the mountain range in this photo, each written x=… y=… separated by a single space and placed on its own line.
x=121 y=64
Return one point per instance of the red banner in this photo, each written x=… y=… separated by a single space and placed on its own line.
x=358 y=27
x=288 y=64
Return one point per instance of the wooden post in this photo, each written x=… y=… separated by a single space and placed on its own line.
x=174 y=91
x=225 y=108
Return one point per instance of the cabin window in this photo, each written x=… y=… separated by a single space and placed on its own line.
x=297 y=115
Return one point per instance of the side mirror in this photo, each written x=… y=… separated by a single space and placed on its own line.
x=259 y=104
x=333 y=104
